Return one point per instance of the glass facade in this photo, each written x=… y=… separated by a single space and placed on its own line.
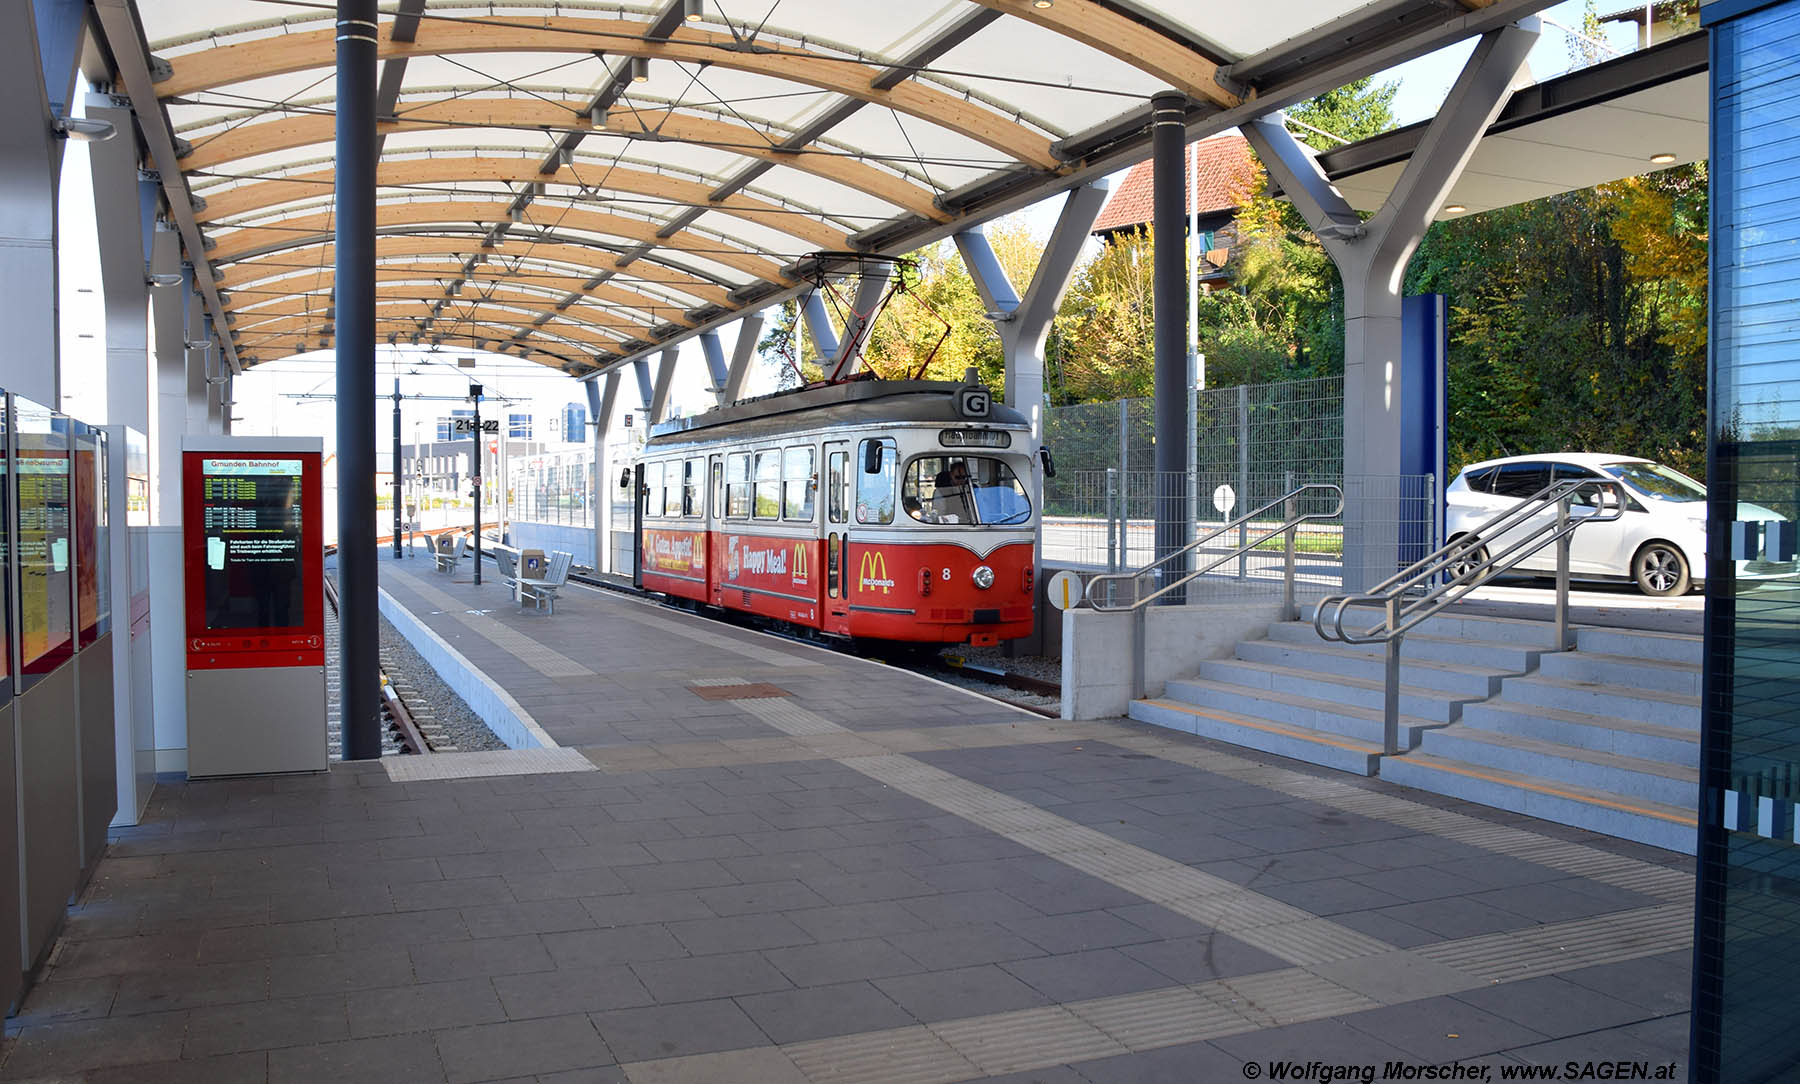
x=1747 y=943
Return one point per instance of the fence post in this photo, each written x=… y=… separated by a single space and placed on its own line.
x=1289 y=511
x=1243 y=449
x=1562 y=575
x=1124 y=482
x=1193 y=459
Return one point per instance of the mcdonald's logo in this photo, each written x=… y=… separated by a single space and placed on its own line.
x=874 y=572
x=800 y=570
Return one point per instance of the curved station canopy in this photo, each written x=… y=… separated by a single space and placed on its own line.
x=581 y=183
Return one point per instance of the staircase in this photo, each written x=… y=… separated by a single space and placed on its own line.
x=1604 y=737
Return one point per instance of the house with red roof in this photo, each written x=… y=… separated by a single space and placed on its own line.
x=1220 y=172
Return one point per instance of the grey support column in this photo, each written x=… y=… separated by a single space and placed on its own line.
x=714 y=352
x=1168 y=175
x=29 y=156
x=818 y=326
x=359 y=694
x=198 y=345
x=659 y=398
x=847 y=359
x=640 y=368
x=169 y=417
x=602 y=403
x=1371 y=258
x=749 y=330
x=120 y=211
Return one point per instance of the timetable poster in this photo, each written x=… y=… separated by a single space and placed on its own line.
x=46 y=623
x=252 y=519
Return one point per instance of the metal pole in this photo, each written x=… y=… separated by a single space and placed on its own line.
x=1390 y=706
x=476 y=476
x=1140 y=642
x=1289 y=511
x=1124 y=482
x=1562 y=575
x=1193 y=457
x=1243 y=450
x=359 y=692
x=1168 y=142
x=399 y=475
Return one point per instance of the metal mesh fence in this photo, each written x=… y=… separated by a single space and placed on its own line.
x=1105 y=520
x=1295 y=425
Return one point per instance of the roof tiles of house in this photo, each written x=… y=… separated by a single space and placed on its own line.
x=1221 y=166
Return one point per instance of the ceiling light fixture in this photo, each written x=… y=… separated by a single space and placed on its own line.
x=639 y=67
x=1662 y=159
x=164 y=278
x=597 y=116
x=1454 y=208
x=693 y=10
x=1041 y=4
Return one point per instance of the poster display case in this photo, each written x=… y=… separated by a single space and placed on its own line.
x=44 y=546
x=253 y=566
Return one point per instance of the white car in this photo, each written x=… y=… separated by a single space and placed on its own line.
x=1658 y=541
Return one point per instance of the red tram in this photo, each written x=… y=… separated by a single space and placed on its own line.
x=885 y=510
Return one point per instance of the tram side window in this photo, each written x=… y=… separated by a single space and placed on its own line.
x=798 y=483
x=672 y=489
x=652 y=499
x=875 y=491
x=768 y=484
x=837 y=499
x=737 y=485
x=691 y=473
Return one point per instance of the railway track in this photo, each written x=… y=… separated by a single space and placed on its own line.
x=988 y=681
x=412 y=732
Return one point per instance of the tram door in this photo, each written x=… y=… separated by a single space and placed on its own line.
x=837 y=525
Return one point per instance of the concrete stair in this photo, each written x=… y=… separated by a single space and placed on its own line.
x=1298 y=696
x=1604 y=737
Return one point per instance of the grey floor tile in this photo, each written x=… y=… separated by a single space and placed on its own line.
x=413 y=928
x=790 y=1016
x=359 y=1061
x=477 y=959
x=1442 y=1029
x=1554 y=1007
x=548 y=1045
x=965 y=991
x=249 y=1068
x=537 y=916
x=338 y=972
x=586 y=989
x=963 y=946
x=738 y=933
x=1188 y=1063
x=70 y=1047
x=1204 y=958
x=759 y=898
x=1078 y=976
x=671 y=1031
x=403 y=1009
x=841 y=961
x=868 y=886
x=1078 y=932
x=564 y=884
x=265 y=1025
x=1455 y=917
x=1661 y=983
x=1312 y=1041
x=698 y=978
x=191 y=987
x=967 y=908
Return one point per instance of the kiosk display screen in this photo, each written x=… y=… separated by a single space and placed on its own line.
x=41 y=492
x=93 y=574
x=253 y=557
x=255 y=578
x=6 y=487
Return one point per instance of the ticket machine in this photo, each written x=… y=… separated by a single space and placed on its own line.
x=253 y=584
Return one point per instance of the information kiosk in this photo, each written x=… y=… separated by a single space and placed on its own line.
x=253 y=567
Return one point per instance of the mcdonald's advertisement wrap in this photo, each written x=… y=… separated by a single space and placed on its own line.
x=769 y=574
x=908 y=591
x=680 y=555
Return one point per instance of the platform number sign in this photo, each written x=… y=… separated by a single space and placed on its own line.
x=974 y=402
x=467 y=425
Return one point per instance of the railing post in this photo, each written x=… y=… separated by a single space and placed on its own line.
x=1562 y=575
x=1390 y=708
x=1243 y=450
x=1289 y=511
x=1140 y=642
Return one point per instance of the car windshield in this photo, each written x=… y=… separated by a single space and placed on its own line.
x=963 y=490
x=1658 y=482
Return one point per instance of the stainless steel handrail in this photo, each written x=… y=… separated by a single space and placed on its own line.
x=1448 y=574
x=1138 y=605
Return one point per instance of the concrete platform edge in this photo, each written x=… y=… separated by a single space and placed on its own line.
x=509 y=721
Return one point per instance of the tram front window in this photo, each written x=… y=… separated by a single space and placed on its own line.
x=964 y=490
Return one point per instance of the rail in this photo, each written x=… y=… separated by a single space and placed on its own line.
x=411 y=737
x=1139 y=604
x=1449 y=573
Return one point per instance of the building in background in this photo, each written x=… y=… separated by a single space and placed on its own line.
x=1220 y=173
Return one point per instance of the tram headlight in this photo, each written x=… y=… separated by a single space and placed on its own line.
x=984 y=577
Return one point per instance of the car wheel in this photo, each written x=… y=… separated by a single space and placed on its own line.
x=1660 y=569
x=1469 y=559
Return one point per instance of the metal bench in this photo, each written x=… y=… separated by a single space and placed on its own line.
x=543 y=591
x=507 y=559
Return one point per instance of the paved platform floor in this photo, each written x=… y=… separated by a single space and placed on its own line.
x=752 y=861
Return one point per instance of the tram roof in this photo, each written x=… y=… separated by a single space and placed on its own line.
x=584 y=182
x=856 y=403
